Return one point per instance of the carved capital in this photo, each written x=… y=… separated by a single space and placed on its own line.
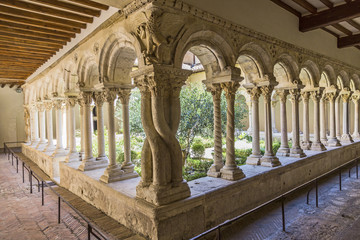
x=345 y=97
x=48 y=105
x=254 y=93
x=71 y=101
x=85 y=98
x=282 y=95
x=295 y=95
x=266 y=92
x=331 y=96
x=230 y=89
x=124 y=95
x=99 y=98
x=305 y=96
x=355 y=98
x=316 y=95
x=58 y=104
x=110 y=95
x=215 y=90
x=40 y=106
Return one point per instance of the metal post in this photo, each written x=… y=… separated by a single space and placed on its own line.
x=89 y=232
x=340 y=179
x=317 y=195
x=17 y=165
x=42 y=193
x=283 y=213
x=218 y=234
x=23 y=173
x=12 y=159
x=59 y=209
x=30 y=179
x=357 y=168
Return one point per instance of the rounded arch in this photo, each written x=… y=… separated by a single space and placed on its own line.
x=345 y=80
x=117 y=58
x=70 y=76
x=285 y=70
x=324 y=80
x=356 y=81
x=310 y=74
x=329 y=71
x=213 y=46
x=59 y=84
x=88 y=72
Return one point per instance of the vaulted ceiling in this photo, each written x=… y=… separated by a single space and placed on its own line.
x=31 y=31
x=340 y=18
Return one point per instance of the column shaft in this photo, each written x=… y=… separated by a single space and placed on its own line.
x=332 y=140
x=346 y=137
x=306 y=143
x=316 y=144
x=356 y=134
x=284 y=149
x=323 y=121
x=295 y=151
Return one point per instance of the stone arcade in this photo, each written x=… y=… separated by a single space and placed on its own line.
x=160 y=204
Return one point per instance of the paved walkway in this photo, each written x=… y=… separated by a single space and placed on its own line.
x=337 y=218
x=23 y=217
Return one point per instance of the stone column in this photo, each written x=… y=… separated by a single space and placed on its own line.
x=88 y=162
x=82 y=137
x=337 y=117
x=254 y=158
x=59 y=151
x=64 y=126
x=35 y=126
x=161 y=159
x=269 y=159
x=42 y=142
x=295 y=150
x=346 y=137
x=27 y=124
x=316 y=144
x=356 y=134
x=230 y=171
x=99 y=99
x=127 y=166
x=306 y=143
x=250 y=129
x=214 y=170
x=284 y=150
x=323 y=120
x=113 y=172
x=273 y=113
x=73 y=155
x=332 y=140
x=49 y=127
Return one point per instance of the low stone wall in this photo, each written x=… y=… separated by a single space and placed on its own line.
x=212 y=200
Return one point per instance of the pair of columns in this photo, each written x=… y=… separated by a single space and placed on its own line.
x=113 y=172
x=230 y=171
x=269 y=159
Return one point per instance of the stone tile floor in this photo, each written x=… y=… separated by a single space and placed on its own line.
x=23 y=217
x=337 y=217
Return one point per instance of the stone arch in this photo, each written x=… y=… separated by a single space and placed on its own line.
x=310 y=74
x=285 y=70
x=59 y=84
x=255 y=63
x=88 y=72
x=117 y=59
x=343 y=79
x=328 y=74
x=356 y=81
x=70 y=77
x=214 y=52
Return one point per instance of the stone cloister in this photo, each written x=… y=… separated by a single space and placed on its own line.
x=143 y=47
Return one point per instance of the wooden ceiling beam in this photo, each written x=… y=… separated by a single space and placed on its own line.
x=286 y=7
x=331 y=16
x=349 y=41
x=305 y=4
x=69 y=6
x=354 y=24
x=17 y=54
x=20 y=59
x=42 y=17
x=36 y=23
x=35 y=39
x=9 y=40
x=342 y=29
x=91 y=4
x=327 y=3
x=26 y=50
x=33 y=34
x=331 y=32
x=30 y=47
x=36 y=29
x=46 y=10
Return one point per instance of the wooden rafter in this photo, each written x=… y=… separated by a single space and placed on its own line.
x=331 y=16
x=331 y=32
x=349 y=41
x=35 y=39
x=91 y=4
x=305 y=4
x=354 y=24
x=327 y=3
x=342 y=29
x=286 y=7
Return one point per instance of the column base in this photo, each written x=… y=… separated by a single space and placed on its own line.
x=346 y=138
x=114 y=173
x=356 y=136
x=306 y=145
x=91 y=164
x=333 y=142
x=283 y=152
x=317 y=146
x=270 y=161
x=102 y=158
x=253 y=159
x=297 y=153
x=232 y=173
x=324 y=141
x=214 y=171
x=72 y=157
x=34 y=143
x=49 y=149
x=161 y=195
x=59 y=152
x=41 y=146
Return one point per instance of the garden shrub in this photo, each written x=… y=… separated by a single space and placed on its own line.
x=134 y=155
x=198 y=149
x=245 y=136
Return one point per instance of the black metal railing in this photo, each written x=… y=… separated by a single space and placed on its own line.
x=91 y=230
x=282 y=198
